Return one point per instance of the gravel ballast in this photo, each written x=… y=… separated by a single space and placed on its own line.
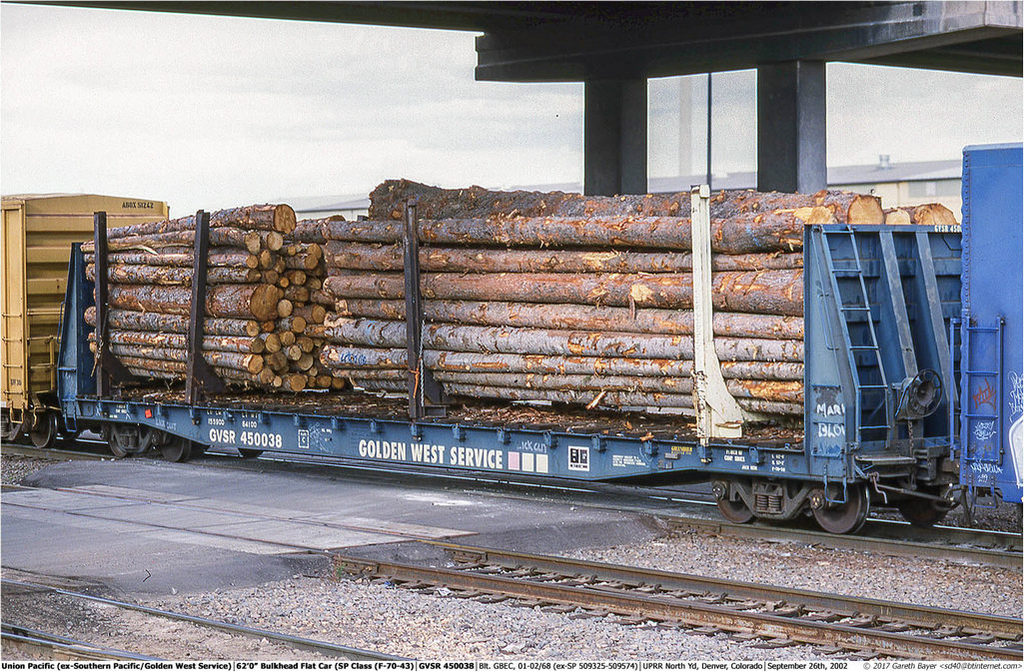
x=15 y=468
x=899 y=579
x=406 y=623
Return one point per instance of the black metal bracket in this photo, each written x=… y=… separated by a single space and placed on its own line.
x=426 y=398
x=108 y=368
x=199 y=375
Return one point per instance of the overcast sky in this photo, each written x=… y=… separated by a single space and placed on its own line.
x=216 y=111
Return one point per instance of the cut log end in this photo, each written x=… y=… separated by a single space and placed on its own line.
x=264 y=302
x=284 y=218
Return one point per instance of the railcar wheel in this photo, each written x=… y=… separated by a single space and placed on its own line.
x=117 y=441
x=176 y=449
x=735 y=511
x=126 y=440
x=922 y=512
x=249 y=453
x=43 y=430
x=847 y=517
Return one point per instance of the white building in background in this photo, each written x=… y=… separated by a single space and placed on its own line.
x=897 y=184
x=350 y=206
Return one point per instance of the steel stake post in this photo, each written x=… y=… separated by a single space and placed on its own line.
x=199 y=375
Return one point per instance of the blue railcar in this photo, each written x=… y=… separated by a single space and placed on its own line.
x=883 y=423
x=991 y=428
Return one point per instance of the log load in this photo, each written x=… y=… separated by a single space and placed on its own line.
x=253 y=241
x=239 y=301
x=615 y=400
x=280 y=218
x=489 y=340
x=929 y=214
x=388 y=198
x=765 y=232
x=136 y=274
x=259 y=281
x=131 y=320
x=778 y=292
x=538 y=296
x=577 y=317
x=471 y=362
x=369 y=257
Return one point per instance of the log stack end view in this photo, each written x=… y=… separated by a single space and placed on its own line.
x=534 y=297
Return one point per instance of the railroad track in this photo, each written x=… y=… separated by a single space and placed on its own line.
x=885 y=537
x=764 y=616
x=56 y=647
x=987 y=547
x=295 y=642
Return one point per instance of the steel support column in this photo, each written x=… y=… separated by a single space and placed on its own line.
x=791 y=126
x=615 y=137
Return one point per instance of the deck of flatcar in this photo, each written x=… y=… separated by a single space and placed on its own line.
x=574 y=420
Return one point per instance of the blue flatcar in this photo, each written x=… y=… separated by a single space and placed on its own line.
x=912 y=388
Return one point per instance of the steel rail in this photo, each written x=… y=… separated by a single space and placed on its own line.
x=1011 y=559
x=687 y=613
x=294 y=641
x=911 y=614
x=71 y=647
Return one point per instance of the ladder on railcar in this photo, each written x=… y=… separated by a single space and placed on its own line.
x=857 y=308
x=981 y=446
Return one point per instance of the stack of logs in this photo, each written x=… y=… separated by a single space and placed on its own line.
x=262 y=271
x=527 y=296
x=574 y=299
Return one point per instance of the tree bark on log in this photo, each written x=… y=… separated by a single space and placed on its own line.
x=294 y=323
x=131 y=320
x=175 y=370
x=226 y=375
x=341 y=357
x=238 y=301
x=179 y=341
x=778 y=292
x=387 y=201
x=322 y=298
x=576 y=317
x=312 y=313
x=237 y=361
x=770 y=390
x=614 y=400
x=360 y=256
x=437 y=360
x=310 y=230
x=561 y=343
x=253 y=241
x=124 y=274
x=601 y=344
x=764 y=232
x=846 y=207
x=280 y=218
x=305 y=260
x=225 y=257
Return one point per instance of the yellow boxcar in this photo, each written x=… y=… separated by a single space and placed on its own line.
x=38 y=230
